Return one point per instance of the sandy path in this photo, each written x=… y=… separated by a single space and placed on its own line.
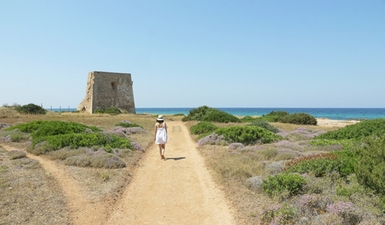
x=83 y=211
x=178 y=190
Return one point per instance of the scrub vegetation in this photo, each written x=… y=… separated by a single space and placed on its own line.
x=272 y=171
x=307 y=176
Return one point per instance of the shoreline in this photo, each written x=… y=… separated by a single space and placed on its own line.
x=335 y=123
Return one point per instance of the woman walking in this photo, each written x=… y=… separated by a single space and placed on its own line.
x=161 y=135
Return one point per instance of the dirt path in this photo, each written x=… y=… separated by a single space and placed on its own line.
x=83 y=211
x=178 y=190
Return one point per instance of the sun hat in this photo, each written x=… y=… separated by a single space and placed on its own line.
x=160 y=118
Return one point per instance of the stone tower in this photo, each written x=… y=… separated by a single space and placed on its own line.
x=105 y=89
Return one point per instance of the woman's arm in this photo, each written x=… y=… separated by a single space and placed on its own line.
x=156 y=128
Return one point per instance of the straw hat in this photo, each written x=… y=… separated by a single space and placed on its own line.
x=160 y=118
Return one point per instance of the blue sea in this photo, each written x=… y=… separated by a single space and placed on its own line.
x=329 y=113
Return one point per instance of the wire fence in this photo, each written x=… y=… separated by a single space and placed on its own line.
x=62 y=109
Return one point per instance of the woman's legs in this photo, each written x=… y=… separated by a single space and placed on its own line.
x=164 y=149
x=161 y=150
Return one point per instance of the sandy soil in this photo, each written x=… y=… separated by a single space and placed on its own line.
x=335 y=123
x=178 y=190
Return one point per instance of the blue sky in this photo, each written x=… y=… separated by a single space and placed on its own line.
x=191 y=53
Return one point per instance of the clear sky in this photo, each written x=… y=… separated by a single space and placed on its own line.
x=189 y=53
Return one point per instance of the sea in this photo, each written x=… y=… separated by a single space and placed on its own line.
x=328 y=113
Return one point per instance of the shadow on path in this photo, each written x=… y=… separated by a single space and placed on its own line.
x=175 y=158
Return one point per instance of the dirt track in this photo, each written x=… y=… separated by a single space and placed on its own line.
x=178 y=190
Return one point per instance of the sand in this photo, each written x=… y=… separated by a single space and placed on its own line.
x=335 y=123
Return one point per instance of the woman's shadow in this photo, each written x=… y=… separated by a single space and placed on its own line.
x=174 y=158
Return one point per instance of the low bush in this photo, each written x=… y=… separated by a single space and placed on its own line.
x=75 y=140
x=202 y=127
x=357 y=131
x=53 y=135
x=30 y=109
x=299 y=118
x=274 y=116
x=112 y=110
x=285 y=117
x=65 y=153
x=341 y=162
x=99 y=111
x=248 y=119
x=104 y=160
x=277 y=184
x=247 y=135
x=126 y=124
x=371 y=164
x=212 y=139
x=215 y=115
x=18 y=137
x=41 y=128
x=264 y=124
x=16 y=154
x=205 y=113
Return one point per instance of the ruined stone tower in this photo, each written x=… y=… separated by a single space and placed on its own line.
x=105 y=89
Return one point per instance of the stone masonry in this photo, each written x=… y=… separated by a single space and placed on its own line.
x=105 y=89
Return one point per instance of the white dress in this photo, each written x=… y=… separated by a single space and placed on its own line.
x=161 y=133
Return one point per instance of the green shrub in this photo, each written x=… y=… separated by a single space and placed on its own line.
x=30 y=109
x=275 y=185
x=127 y=124
x=357 y=131
x=264 y=124
x=75 y=140
x=248 y=119
x=53 y=135
x=285 y=117
x=299 y=118
x=18 y=138
x=196 y=113
x=41 y=128
x=112 y=110
x=342 y=162
x=215 y=115
x=319 y=165
x=247 y=134
x=274 y=116
x=202 y=128
x=279 y=215
x=371 y=164
x=205 y=113
x=99 y=111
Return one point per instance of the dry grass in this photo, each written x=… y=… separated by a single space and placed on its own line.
x=28 y=195
x=233 y=168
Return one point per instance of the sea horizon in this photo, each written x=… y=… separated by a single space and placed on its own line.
x=328 y=113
